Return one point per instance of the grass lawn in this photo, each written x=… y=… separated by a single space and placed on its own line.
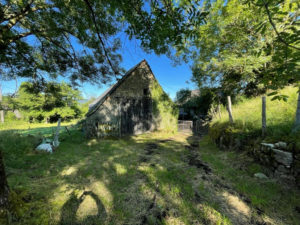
x=154 y=178
x=44 y=129
x=280 y=116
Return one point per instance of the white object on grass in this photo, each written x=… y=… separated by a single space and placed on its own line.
x=45 y=147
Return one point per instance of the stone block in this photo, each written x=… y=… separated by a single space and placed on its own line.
x=283 y=169
x=260 y=176
x=275 y=163
x=281 y=145
x=267 y=145
x=285 y=158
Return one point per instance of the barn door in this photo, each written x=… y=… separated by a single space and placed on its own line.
x=127 y=125
x=146 y=107
x=135 y=115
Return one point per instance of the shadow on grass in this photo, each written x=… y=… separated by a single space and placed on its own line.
x=145 y=179
x=70 y=208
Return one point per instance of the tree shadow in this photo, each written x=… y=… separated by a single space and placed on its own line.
x=145 y=179
x=70 y=208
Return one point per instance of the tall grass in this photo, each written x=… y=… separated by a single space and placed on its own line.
x=247 y=115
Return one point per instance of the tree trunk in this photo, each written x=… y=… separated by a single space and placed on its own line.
x=229 y=109
x=4 y=190
x=263 y=116
x=297 y=121
x=1 y=110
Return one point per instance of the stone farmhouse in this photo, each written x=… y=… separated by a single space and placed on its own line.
x=135 y=104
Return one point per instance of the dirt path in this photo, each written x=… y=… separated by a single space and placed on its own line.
x=233 y=205
x=230 y=203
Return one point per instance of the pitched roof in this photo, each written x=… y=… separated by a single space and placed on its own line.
x=98 y=102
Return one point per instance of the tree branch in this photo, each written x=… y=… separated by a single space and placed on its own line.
x=17 y=14
x=19 y=36
x=14 y=19
x=73 y=50
x=57 y=45
x=276 y=31
x=99 y=37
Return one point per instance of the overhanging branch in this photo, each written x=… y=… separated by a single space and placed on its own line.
x=275 y=29
x=99 y=36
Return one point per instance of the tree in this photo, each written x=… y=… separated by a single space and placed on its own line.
x=85 y=105
x=78 y=39
x=243 y=45
x=4 y=189
x=182 y=96
x=58 y=38
x=226 y=50
x=50 y=103
x=248 y=47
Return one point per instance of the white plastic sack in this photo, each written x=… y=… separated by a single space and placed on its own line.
x=45 y=147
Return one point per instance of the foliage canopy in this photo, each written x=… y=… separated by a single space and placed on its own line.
x=246 y=44
x=54 y=101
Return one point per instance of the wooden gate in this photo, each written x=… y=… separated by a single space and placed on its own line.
x=185 y=125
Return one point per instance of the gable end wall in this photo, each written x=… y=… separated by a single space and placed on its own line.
x=133 y=88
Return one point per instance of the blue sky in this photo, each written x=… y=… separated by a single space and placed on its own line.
x=171 y=78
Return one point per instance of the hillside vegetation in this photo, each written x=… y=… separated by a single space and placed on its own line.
x=247 y=116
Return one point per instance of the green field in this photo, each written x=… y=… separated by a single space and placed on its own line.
x=154 y=178
x=247 y=116
x=41 y=129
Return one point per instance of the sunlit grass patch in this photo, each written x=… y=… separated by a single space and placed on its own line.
x=214 y=217
x=26 y=128
x=264 y=195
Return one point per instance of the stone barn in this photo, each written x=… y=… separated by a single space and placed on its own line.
x=135 y=104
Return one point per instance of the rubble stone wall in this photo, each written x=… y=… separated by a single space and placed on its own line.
x=281 y=158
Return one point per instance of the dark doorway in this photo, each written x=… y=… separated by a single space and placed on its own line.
x=136 y=115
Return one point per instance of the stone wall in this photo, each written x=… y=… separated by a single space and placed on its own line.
x=282 y=159
x=277 y=158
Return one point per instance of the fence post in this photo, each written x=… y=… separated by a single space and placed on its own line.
x=229 y=109
x=56 y=141
x=263 y=116
x=219 y=110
